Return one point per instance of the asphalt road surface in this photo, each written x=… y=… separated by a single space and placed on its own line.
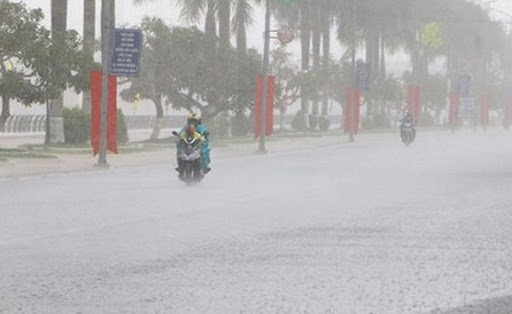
x=365 y=227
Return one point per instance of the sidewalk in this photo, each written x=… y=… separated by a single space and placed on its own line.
x=67 y=161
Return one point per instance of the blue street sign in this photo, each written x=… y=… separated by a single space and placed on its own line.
x=126 y=52
x=462 y=85
x=362 y=75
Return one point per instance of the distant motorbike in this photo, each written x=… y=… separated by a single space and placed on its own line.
x=407 y=133
x=189 y=159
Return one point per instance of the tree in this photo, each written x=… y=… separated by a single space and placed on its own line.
x=20 y=31
x=89 y=29
x=33 y=75
x=180 y=68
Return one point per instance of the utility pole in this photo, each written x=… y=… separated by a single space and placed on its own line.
x=266 y=61
x=107 y=30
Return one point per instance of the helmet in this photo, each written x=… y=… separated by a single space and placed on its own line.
x=194 y=119
x=191 y=129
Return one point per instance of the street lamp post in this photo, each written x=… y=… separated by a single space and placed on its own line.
x=266 y=61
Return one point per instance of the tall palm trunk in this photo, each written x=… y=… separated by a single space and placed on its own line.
x=382 y=63
x=6 y=108
x=211 y=22
x=224 y=15
x=305 y=23
x=5 y=112
x=326 y=41
x=55 y=122
x=240 y=27
x=89 y=37
x=317 y=36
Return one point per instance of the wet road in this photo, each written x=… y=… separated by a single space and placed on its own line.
x=365 y=227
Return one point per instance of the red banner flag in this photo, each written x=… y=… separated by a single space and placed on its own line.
x=352 y=109
x=507 y=113
x=485 y=106
x=96 y=78
x=95 y=110
x=269 y=119
x=413 y=101
x=453 y=113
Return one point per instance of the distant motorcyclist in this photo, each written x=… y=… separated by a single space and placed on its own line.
x=195 y=120
x=408 y=119
x=188 y=134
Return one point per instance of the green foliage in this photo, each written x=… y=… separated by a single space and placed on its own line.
x=434 y=92
x=431 y=35
x=42 y=65
x=324 y=123
x=219 y=126
x=376 y=121
x=190 y=71
x=122 y=129
x=77 y=125
x=299 y=122
x=426 y=120
x=313 y=121
x=240 y=124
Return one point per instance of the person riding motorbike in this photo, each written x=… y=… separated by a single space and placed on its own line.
x=195 y=120
x=407 y=119
x=188 y=132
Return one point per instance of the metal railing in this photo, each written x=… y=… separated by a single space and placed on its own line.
x=25 y=124
x=37 y=123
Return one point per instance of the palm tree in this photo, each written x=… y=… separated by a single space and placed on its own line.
x=89 y=41
x=224 y=17
x=54 y=122
x=241 y=19
x=326 y=15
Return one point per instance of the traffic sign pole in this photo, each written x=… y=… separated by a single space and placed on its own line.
x=107 y=25
x=266 y=60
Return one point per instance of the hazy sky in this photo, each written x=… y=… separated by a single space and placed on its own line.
x=128 y=14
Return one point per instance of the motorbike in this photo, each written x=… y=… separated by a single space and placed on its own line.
x=407 y=133
x=189 y=159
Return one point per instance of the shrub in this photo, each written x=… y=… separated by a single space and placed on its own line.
x=240 y=124
x=299 y=122
x=324 y=123
x=313 y=121
x=122 y=129
x=426 y=120
x=376 y=121
x=77 y=125
x=219 y=126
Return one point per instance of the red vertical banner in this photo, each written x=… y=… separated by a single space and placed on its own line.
x=453 y=111
x=96 y=78
x=357 y=109
x=269 y=118
x=352 y=109
x=95 y=110
x=269 y=125
x=413 y=101
x=112 y=114
x=417 y=105
x=347 y=111
x=507 y=113
x=485 y=106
